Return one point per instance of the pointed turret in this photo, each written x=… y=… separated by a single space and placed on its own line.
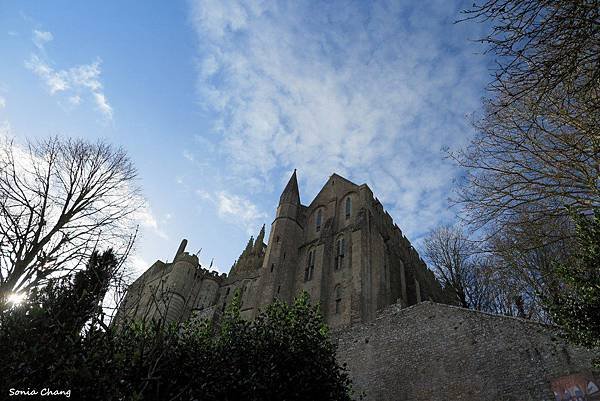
x=291 y=194
x=249 y=246
x=258 y=244
x=281 y=260
x=250 y=243
x=252 y=257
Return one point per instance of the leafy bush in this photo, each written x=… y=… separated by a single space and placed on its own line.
x=56 y=341
x=575 y=300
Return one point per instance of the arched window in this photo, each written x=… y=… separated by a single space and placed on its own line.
x=319 y=219
x=348 y=207
x=310 y=265
x=337 y=292
x=340 y=251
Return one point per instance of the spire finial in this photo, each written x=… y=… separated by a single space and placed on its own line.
x=258 y=244
x=291 y=194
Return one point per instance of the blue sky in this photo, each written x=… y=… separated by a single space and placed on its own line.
x=217 y=101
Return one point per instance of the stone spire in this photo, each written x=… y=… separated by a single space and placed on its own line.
x=252 y=257
x=291 y=194
x=249 y=246
x=259 y=240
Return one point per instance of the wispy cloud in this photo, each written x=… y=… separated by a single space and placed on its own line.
x=2 y=102
x=75 y=82
x=40 y=38
x=137 y=264
x=55 y=81
x=5 y=130
x=147 y=220
x=235 y=209
x=370 y=90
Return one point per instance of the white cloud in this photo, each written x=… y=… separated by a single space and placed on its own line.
x=146 y=219
x=102 y=105
x=55 y=81
x=372 y=92
x=2 y=102
x=75 y=82
x=5 y=130
x=75 y=100
x=238 y=207
x=235 y=209
x=138 y=265
x=203 y=194
x=188 y=155
x=40 y=38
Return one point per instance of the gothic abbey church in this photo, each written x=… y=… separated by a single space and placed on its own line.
x=343 y=249
x=375 y=291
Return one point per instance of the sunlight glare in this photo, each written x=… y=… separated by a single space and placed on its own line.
x=16 y=298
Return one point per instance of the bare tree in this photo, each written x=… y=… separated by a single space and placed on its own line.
x=58 y=199
x=538 y=142
x=524 y=260
x=521 y=160
x=478 y=279
x=454 y=261
x=542 y=46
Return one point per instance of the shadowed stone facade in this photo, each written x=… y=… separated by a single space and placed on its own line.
x=343 y=249
x=347 y=253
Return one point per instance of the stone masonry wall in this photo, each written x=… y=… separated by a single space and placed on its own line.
x=438 y=352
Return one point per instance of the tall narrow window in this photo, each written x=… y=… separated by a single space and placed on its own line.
x=338 y=299
x=310 y=265
x=348 y=207
x=319 y=218
x=340 y=251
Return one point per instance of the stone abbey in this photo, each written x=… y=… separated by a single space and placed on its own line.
x=393 y=330
x=343 y=249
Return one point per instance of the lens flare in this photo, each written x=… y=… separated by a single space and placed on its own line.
x=16 y=298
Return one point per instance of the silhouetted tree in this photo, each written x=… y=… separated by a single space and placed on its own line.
x=58 y=198
x=56 y=340
x=453 y=259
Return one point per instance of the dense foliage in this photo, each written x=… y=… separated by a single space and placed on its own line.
x=56 y=340
x=53 y=339
x=575 y=302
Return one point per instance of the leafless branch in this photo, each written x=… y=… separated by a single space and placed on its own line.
x=58 y=198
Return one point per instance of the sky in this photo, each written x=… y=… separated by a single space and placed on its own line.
x=218 y=101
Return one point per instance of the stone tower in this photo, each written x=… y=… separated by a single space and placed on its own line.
x=281 y=259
